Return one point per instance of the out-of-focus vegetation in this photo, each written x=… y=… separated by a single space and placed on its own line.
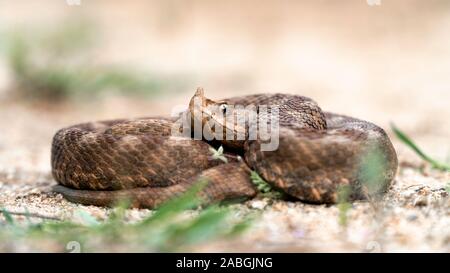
x=410 y=143
x=371 y=173
x=57 y=64
x=170 y=228
x=265 y=188
x=344 y=204
x=373 y=183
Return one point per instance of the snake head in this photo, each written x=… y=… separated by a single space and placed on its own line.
x=217 y=118
x=200 y=107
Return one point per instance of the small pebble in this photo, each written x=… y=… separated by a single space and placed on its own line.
x=412 y=217
x=258 y=204
x=421 y=201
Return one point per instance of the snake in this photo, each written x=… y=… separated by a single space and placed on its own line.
x=317 y=155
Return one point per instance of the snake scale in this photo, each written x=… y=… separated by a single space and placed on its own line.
x=99 y=163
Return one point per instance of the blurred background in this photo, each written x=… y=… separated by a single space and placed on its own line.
x=387 y=62
x=65 y=62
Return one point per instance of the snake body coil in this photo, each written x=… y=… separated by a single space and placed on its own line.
x=318 y=153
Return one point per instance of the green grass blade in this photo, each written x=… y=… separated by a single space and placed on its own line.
x=187 y=200
x=8 y=216
x=408 y=142
x=344 y=205
x=206 y=226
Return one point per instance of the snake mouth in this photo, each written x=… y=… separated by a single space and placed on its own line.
x=228 y=125
x=214 y=120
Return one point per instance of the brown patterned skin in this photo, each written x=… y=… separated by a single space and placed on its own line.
x=100 y=163
x=225 y=182
x=104 y=162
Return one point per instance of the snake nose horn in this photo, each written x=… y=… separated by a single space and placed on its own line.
x=199 y=92
x=198 y=100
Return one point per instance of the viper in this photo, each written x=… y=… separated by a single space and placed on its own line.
x=151 y=160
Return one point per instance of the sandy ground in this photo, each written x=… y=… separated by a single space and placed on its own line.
x=414 y=216
x=385 y=64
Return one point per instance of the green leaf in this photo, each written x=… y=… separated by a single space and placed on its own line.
x=218 y=154
x=264 y=187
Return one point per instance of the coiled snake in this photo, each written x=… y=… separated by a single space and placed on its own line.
x=100 y=163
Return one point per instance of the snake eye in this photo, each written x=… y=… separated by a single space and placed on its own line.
x=223 y=107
